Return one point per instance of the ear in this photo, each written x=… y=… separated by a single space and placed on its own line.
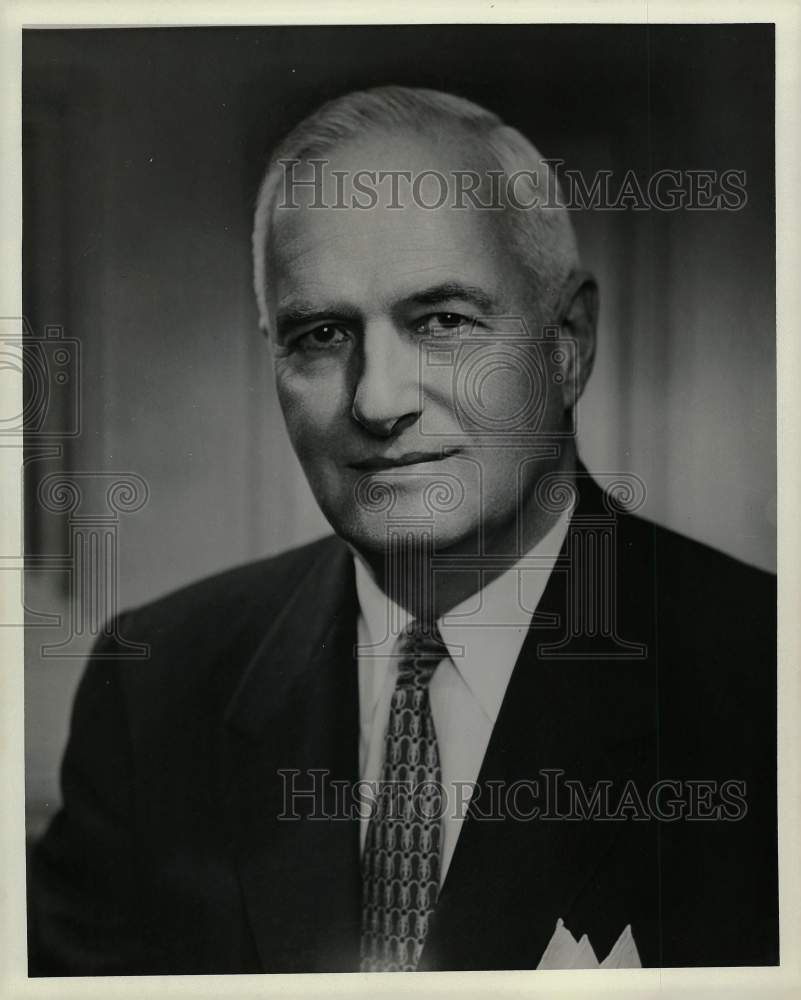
x=578 y=318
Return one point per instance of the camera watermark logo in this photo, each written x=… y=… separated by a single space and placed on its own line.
x=71 y=516
x=50 y=369
x=501 y=378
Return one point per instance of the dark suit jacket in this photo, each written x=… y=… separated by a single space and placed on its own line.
x=168 y=856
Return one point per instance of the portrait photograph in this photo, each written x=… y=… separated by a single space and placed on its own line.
x=399 y=446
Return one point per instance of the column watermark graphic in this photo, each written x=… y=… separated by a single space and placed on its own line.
x=92 y=559
x=72 y=516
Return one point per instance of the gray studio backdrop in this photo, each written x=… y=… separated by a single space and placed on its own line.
x=142 y=154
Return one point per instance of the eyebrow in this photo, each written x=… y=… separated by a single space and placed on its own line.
x=302 y=313
x=450 y=290
x=296 y=314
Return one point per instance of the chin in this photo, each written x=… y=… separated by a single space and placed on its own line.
x=374 y=535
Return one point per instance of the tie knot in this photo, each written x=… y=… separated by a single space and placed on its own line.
x=421 y=649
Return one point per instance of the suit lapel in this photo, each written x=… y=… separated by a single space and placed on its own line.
x=581 y=719
x=296 y=711
x=293 y=724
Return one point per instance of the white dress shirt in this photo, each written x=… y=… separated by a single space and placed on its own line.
x=484 y=636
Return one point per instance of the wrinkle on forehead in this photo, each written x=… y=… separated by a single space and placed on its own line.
x=373 y=252
x=380 y=273
x=413 y=240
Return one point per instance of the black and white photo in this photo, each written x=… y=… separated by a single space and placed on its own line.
x=400 y=498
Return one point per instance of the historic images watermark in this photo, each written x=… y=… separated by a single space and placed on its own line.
x=550 y=795
x=551 y=186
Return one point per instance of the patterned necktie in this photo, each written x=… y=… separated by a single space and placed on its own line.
x=400 y=865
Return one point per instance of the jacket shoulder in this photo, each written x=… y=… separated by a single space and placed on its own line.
x=698 y=568
x=262 y=584
x=714 y=648
x=201 y=637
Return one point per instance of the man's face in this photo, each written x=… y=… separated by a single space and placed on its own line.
x=411 y=406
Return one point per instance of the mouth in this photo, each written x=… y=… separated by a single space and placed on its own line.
x=382 y=463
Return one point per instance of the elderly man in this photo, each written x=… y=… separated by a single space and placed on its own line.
x=496 y=721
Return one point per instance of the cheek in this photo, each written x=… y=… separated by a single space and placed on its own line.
x=501 y=389
x=314 y=407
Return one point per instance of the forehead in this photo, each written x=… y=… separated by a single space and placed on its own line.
x=376 y=255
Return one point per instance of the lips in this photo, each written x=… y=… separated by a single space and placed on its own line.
x=380 y=463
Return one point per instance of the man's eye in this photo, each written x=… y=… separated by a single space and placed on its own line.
x=444 y=323
x=323 y=338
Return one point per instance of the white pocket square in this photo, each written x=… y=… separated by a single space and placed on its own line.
x=564 y=952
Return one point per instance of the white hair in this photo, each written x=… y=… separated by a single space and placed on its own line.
x=544 y=234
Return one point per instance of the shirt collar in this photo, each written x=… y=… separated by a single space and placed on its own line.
x=485 y=633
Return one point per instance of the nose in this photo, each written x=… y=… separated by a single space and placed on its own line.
x=387 y=397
